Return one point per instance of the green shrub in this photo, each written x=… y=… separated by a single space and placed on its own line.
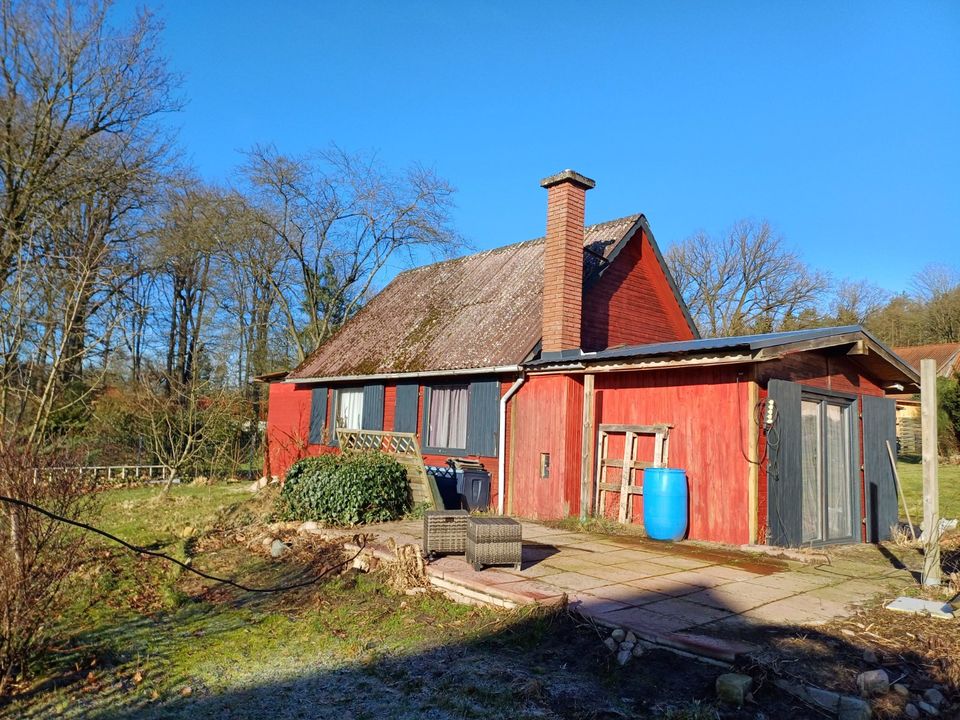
x=345 y=489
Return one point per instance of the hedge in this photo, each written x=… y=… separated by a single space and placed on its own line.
x=345 y=489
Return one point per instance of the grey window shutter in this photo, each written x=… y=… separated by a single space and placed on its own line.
x=372 y=407
x=405 y=408
x=483 y=418
x=879 y=427
x=784 y=466
x=318 y=415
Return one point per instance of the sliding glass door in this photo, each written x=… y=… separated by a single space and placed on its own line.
x=828 y=475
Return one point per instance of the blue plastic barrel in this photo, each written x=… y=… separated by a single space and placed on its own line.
x=665 y=503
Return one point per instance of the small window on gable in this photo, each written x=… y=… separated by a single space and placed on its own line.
x=447 y=417
x=350 y=408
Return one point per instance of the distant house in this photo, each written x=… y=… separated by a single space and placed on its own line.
x=542 y=359
x=947 y=357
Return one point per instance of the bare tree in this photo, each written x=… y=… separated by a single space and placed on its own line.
x=937 y=287
x=340 y=219
x=67 y=83
x=186 y=424
x=744 y=281
x=37 y=554
x=855 y=302
x=78 y=154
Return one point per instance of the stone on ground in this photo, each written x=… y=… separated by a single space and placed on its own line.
x=623 y=657
x=869 y=656
x=278 y=548
x=732 y=688
x=873 y=682
x=618 y=634
x=901 y=689
x=611 y=644
x=928 y=708
x=911 y=711
x=934 y=697
x=853 y=708
x=637 y=650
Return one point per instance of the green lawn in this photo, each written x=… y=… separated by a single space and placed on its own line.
x=911 y=479
x=144 y=639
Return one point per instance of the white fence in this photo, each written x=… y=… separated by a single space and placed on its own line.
x=119 y=474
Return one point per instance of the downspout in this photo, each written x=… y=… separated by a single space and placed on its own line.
x=502 y=444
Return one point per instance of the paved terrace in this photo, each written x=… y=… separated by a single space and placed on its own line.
x=678 y=594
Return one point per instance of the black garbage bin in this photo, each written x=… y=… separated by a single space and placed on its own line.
x=473 y=483
x=447 y=482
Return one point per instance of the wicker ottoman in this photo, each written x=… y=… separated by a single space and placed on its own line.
x=493 y=541
x=444 y=531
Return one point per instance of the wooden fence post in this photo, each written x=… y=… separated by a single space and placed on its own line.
x=931 y=483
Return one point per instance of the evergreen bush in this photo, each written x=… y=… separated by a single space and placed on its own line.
x=352 y=489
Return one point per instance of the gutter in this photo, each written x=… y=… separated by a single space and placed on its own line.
x=402 y=376
x=502 y=442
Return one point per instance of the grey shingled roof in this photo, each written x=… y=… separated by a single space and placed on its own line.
x=477 y=311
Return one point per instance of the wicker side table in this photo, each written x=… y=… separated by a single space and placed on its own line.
x=493 y=541
x=444 y=531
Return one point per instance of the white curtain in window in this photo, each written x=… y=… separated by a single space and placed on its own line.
x=350 y=409
x=448 y=417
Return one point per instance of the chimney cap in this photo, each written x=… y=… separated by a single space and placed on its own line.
x=568 y=176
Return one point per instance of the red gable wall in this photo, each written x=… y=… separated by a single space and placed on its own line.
x=632 y=303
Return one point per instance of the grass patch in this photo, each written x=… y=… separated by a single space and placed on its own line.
x=910 y=470
x=147 y=640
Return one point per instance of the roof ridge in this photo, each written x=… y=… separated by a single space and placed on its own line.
x=633 y=217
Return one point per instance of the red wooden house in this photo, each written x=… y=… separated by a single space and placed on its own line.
x=533 y=357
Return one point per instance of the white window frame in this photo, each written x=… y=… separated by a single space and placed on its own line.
x=449 y=442
x=356 y=397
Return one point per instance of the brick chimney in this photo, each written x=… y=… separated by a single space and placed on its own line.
x=563 y=263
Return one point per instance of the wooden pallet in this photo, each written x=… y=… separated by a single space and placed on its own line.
x=629 y=464
x=406 y=449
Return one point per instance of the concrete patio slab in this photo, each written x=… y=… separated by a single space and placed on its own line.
x=739 y=596
x=615 y=573
x=693 y=613
x=574 y=581
x=677 y=594
x=665 y=585
x=644 y=621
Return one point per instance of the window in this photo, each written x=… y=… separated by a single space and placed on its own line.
x=447 y=417
x=350 y=408
x=827 y=503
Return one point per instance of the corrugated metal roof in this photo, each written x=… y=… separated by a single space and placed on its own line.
x=701 y=345
x=477 y=311
x=749 y=343
x=946 y=355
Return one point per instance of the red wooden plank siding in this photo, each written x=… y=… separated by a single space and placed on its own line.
x=389 y=405
x=632 y=303
x=820 y=370
x=708 y=438
x=288 y=427
x=548 y=416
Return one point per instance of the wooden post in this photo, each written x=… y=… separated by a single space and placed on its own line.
x=931 y=483
x=587 y=447
x=753 y=441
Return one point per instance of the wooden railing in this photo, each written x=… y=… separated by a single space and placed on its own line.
x=117 y=474
x=403 y=446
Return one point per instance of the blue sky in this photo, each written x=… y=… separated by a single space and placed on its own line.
x=839 y=122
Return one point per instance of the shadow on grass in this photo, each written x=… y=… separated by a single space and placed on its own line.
x=352 y=649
